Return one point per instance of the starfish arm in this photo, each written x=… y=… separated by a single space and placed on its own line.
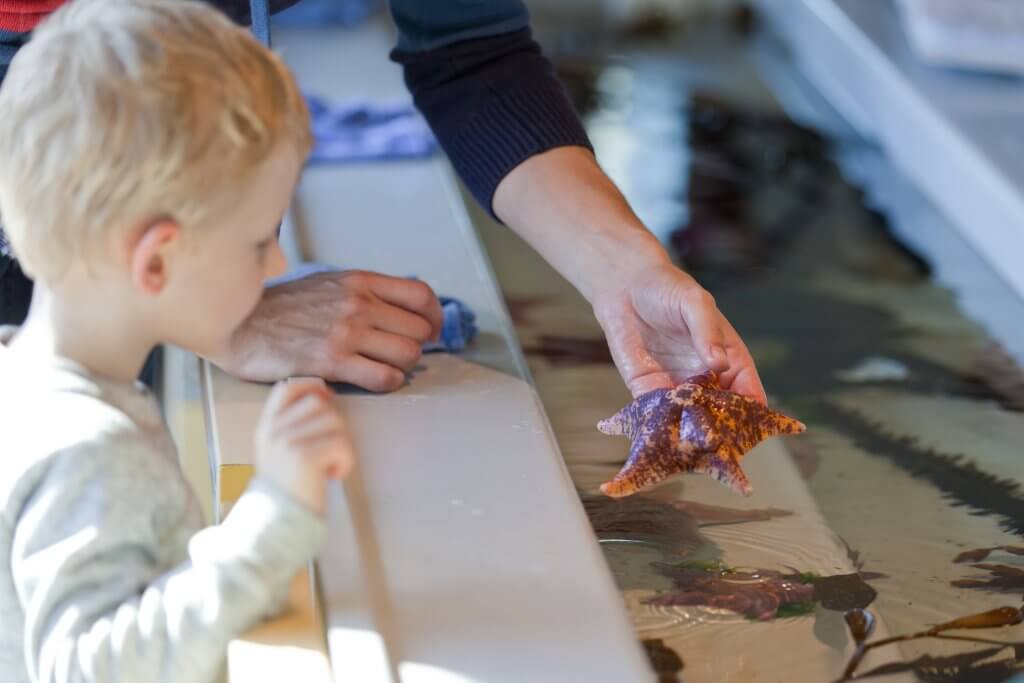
x=723 y=466
x=775 y=423
x=631 y=420
x=748 y=423
x=616 y=424
x=655 y=455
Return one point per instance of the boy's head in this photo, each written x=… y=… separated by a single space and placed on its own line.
x=155 y=141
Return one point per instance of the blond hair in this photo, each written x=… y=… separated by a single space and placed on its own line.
x=119 y=112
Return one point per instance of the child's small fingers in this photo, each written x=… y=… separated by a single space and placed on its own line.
x=289 y=391
x=280 y=396
x=340 y=466
x=303 y=387
x=330 y=451
x=319 y=425
x=310 y=383
x=306 y=407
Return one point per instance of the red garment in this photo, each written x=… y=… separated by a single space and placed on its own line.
x=18 y=16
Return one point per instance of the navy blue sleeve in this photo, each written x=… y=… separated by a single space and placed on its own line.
x=428 y=25
x=489 y=94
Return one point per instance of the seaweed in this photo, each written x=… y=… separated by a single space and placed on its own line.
x=795 y=609
x=666 y=662
x=560 y=350
x=861 y=622
x=1001 y=577
x=958 y=478
x=519 y=307
x=982 y=553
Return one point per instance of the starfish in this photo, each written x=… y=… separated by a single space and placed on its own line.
x=696 y=427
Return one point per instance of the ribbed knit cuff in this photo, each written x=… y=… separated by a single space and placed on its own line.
x=492 y=103
x=507 y=130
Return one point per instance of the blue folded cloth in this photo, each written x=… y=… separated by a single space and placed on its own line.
x=458 y=327
x=363 y=131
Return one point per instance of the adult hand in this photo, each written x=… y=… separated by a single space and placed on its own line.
x=362 y=328
x=663 y=327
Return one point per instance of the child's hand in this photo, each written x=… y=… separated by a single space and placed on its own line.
x=301 y=441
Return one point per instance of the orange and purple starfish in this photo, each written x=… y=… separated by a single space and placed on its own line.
x=696 y=427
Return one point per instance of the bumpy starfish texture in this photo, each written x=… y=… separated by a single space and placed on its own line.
x=697 y=427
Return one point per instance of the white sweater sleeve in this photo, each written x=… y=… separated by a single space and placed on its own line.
x=98 y=604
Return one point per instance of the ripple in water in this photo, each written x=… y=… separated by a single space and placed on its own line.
x=640 y=538
x=785 y=544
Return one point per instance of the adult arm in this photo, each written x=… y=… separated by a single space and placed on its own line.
x=504 y=120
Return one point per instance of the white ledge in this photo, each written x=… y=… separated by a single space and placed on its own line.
x=459 y=551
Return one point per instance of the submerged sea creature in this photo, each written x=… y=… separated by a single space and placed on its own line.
x=761 y=594
x=696 y=427
x=756 y=594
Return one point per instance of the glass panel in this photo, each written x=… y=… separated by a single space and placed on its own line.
x=181 y=397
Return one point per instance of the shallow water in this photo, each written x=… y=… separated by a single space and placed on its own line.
x=915 y=418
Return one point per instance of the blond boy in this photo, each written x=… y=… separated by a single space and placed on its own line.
x=148 y=149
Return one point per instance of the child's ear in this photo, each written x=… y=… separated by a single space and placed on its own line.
x=149 y=253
